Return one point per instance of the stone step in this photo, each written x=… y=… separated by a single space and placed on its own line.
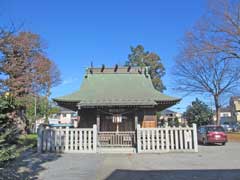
x=114 y=150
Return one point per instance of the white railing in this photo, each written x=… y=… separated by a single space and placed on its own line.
x=149 y=140
x=167 y=139
x=67 y=140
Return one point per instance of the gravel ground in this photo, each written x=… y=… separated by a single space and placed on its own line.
x=210 y=163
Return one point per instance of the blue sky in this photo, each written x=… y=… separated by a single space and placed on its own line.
x=78 y=32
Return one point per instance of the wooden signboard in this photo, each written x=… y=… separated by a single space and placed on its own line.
x=149 y=121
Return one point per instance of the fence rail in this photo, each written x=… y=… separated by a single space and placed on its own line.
x=167 y=139
x=67 y=140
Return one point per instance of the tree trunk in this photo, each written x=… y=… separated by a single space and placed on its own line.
x=217 y=106
x=21 y=120
x=46 y=109
x=47 y=105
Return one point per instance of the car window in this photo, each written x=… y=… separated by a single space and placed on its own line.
x=202 y=130
x=215 y=128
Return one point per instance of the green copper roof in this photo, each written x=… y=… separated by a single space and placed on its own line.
x=104 y=89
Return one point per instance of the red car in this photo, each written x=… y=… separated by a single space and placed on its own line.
x=212 y=134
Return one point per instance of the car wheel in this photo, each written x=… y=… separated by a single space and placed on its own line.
x=223 y=144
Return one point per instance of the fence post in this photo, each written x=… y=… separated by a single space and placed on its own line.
x=195 y=137
x=39 y=139
x=138 y=138
x=60 y=139
x=167 y=138
x=95 y=138
x=67 y=139
x=49 y=140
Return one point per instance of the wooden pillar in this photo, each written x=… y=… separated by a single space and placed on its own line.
x=77 y=123
x=117 y=128
x=135 y=121
x=98 y=123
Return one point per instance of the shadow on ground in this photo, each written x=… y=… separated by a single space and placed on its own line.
x=27 y=166
x=213 y=144
x=218 y=174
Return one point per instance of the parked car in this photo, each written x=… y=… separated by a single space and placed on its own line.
x=212 y=134
x=227 y=127
x=236 y=128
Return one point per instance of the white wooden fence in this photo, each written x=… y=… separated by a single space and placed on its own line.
x=149 y=140
x=67 y=140
x=167 y=139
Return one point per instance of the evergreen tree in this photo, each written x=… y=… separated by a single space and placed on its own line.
x=142 y=58
x=198 y=113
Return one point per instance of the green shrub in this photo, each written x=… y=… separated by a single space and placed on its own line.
x=8 y=153
x=8 y=131
x=28 y=140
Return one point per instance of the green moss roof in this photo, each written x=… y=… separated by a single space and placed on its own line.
x=104 y=89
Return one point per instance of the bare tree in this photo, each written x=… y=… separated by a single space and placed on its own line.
x=217 y=31
x=207 y=74
x=208 y=61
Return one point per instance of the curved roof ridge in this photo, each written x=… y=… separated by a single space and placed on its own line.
x=105 y=88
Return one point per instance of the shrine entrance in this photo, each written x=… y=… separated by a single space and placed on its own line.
x=117 y=139
x=116 y=129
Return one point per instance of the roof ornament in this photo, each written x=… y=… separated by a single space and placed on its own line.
x=146 y=71
x=116 y=68
x=86 y=75
x=103 y=67
x=91 y=69
x=129 y=68
x=140 y=70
